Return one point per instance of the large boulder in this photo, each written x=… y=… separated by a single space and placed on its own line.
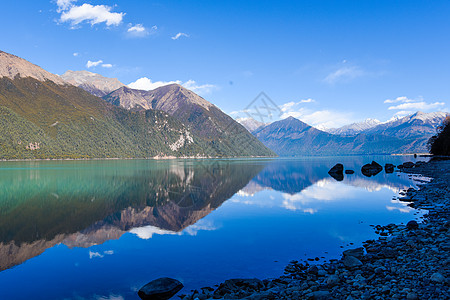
x=160 y=289
x=337 y=172
x=371 y=169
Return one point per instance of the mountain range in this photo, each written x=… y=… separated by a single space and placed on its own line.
x=44 y=116
x=292 y=137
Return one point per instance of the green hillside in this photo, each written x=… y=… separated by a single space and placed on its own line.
x=46 y=120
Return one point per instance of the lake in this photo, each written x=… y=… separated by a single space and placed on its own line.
x=101 y=229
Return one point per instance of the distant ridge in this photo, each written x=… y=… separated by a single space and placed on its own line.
x=292 y=137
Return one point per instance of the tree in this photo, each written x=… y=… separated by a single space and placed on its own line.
x=440 y=144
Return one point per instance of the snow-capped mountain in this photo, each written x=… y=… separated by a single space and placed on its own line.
x=355 y=128
x=250 y=124
x=417 y=124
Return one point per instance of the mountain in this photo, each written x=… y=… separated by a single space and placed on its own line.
x=418 y=124
x=93 y=83
x=250 y=124
x=42 y=116
x=204 y=119
x=354 y=128
x=292 y=137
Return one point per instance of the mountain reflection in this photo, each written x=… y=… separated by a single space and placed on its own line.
x=81 y=204
x=86 y=203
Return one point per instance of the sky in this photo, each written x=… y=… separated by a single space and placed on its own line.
x=328 y=63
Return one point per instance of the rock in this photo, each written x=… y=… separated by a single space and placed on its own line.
x=236 y=285
x=389 y=168
x=349 y=172
x=337 y=172
x=371 y=169
x=333 y=280
x=437 y=277
x=406 y=165
x=412 y=225
x=357 y=252
x=351 y=262
x=160 y=289
x=319 y=295
x=412 y=296
x=313 y=270
x=337 y=168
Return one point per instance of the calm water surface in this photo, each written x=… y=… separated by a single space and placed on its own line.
x=102 y=229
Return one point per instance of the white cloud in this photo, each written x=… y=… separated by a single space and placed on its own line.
x=64 y=4
x=407 y=106
x=147 y=232
x=95 y=254
x=76 y=54
x=320 y=119
x=179 y=34
x=147 y=84
x=200 y=89
x=91 y=64
x=89 y=13
x=422 y=105
x=401 y=99
x=139 y=30
x=344 y=74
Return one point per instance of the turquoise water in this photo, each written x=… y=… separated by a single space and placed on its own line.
x=102 y=229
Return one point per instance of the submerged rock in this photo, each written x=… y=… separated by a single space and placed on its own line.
x=371 y=169
x=160 y=289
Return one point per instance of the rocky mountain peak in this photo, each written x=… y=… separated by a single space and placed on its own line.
x=12 y=66
x=93 y=83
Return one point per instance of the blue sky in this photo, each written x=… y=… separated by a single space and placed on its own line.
x=327 y=62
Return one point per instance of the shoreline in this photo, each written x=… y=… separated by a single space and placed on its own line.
x=406 y=262
x=194 y=157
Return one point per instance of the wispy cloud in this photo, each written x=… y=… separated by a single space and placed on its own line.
x=179 y=34
x=93 y=14
x=107 y=65
x=147 y=84
x=344 y=74
x=76 y=54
